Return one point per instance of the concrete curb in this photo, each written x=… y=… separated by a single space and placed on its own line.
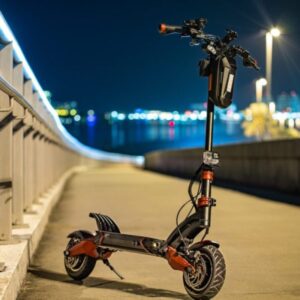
x=17 y=256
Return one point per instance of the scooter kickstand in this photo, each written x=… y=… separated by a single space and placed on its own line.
x=107 y=263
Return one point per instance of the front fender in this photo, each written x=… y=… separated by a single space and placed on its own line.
x=205 y=243
x=189 y=228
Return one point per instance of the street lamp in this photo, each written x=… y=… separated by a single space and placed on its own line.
x=259 y=88
x=274 y=32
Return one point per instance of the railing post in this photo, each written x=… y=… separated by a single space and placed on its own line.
x=39 y=161
x=43 y=166
x=48 y=161
x=6 y=117
x=43 y=147
x=28 y=153
x=18 y=125
x=35 y=141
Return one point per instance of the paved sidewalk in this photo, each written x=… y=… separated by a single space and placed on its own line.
x=260 y=240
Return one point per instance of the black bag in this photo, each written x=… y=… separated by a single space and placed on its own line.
x=221 y=75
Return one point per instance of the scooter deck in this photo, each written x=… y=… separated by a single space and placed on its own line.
x=134 y=243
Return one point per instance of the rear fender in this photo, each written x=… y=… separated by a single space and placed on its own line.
x=86 y=245
x=81 y=234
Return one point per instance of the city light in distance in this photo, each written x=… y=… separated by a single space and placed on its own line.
x=73 y=112
x=172 y=118
x=77 y=118
x=175 y=118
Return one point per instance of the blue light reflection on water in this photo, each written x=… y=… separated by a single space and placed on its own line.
x=140 y=137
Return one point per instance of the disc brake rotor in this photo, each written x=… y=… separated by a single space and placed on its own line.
x=74 y=262
x=201 y=277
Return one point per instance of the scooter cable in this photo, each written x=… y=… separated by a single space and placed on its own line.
x=192 y=181
x=192 y=200
x=181 y=208
x=177 y=218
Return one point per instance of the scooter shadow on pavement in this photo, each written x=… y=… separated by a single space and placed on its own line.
x=98 y=282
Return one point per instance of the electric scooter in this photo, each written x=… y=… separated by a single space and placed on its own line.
x=202 y=263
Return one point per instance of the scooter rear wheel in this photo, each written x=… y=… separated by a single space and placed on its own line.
x=210 y=274
x=78 y=267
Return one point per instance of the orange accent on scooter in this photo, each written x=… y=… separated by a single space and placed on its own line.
x=86 y=247
x=207 y=175
x=203 y=201
x=176 y=261
x=162 y=28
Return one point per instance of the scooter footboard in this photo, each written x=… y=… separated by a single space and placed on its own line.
x=134 y=243
x=109 y=236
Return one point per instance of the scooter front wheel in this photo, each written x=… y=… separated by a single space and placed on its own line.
x=209 y=277
x=78 y=267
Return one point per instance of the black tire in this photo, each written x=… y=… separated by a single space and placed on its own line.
x=78 y=267
x=209 y=279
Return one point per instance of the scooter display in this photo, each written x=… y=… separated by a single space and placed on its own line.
x=201 y=262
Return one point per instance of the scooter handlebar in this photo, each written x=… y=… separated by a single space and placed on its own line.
x=194 y=29
x=168 y=29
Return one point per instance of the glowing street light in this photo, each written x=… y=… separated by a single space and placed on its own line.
x=259 y=88
x=274 y=32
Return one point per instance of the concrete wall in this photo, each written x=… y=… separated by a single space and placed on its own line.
x=273 y=164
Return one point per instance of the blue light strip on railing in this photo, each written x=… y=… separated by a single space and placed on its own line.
x=71 y=141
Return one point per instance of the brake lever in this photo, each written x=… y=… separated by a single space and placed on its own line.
x=251 y=63
x=248 y=61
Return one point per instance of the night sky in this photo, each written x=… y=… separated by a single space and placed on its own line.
x=108 y=55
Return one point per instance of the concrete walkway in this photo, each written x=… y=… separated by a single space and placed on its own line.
x=260 y=240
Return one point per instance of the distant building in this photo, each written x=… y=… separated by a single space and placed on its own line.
x=282 y=102
x=294 y=102
x=288 y=102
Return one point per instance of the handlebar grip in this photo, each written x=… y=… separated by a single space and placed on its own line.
x=168 y=29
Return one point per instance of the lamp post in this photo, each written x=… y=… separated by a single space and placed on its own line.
x=259 y=88
x=274 y=32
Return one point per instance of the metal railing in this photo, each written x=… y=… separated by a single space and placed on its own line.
x=35 y=148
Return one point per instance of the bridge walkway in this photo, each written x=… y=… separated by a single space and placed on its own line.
x=259 y=238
